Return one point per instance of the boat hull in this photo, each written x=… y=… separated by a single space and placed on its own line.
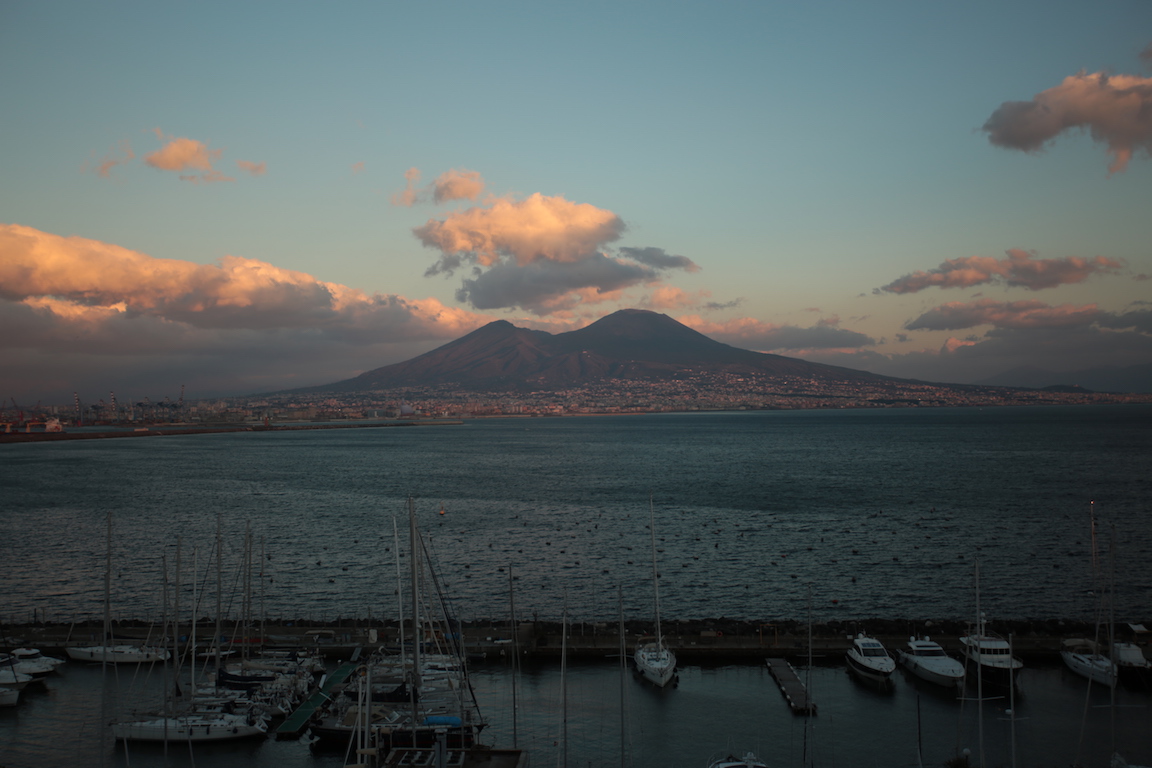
x=189 y=729
x=1094 y=666
x=656 y=664
x=879 y=674
x=118 y=654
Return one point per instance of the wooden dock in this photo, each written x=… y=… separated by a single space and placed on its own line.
x=294 y=725
x=794 y=691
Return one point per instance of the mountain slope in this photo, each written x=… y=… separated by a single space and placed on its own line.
x=629 y=344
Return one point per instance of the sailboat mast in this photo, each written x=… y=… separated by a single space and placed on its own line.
x=515 y=655
x=413 y=535
x=219 y=595
x=655 y=574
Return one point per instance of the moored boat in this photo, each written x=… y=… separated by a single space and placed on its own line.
x=1084 y=658
x=654 y=660
x=194 y=726
x=118 y=654
x=867 y=657
x=9 y=697
x=991 y=656
x=749 y=760
x=925 y=658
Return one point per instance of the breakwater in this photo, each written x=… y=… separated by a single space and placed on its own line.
x=699 y=641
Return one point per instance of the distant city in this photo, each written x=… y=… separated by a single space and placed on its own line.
x=706 y=391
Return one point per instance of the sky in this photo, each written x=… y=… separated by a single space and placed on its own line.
x=247 y=197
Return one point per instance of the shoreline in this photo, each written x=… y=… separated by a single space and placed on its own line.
x=161 y=430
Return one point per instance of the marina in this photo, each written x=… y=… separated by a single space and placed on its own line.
x=288 y=542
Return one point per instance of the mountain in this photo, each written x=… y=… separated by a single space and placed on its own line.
x=1133 y=378
x=629 y=344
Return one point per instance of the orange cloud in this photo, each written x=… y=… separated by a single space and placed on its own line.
x=75 y=278
x=1115 y=110
x=1021 y=269
x=1014 y=314
x=357 y=167
x=110 y=160
x=184 y=154
x=254 y=169
x=671 y=297
x=408 y=197
x=457 y=185
x=538 y=228
x=750 y=333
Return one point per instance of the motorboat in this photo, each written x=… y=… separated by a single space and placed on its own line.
x=925 y=658
x=9 y=697
x=1084 y=658
x=655 y=662
x=749 y=760
x=10 y=678
x=867 y=657
x=118 y=654
x=992 y=656
x=28 y=661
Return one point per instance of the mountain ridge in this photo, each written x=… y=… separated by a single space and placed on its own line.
x=627 y=344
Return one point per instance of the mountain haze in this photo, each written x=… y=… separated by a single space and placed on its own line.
x=628 y=344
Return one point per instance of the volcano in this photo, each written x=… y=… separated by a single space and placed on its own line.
x=630 y=344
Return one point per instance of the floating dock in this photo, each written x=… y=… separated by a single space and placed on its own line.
x=794 y=691
x=294 y=725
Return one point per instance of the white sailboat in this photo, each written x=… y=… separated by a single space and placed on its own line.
x=1081 y=655
x=655 y=661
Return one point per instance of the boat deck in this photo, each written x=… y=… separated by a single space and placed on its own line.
x=294 y=725
x=794 y=691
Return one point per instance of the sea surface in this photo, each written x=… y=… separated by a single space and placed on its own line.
x=882 y=512
x=874 y=513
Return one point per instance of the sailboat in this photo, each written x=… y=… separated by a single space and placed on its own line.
x=114 y=654
x=655 y=661
x=1081 y=655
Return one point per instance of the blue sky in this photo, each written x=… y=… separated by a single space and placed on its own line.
x=756 y=170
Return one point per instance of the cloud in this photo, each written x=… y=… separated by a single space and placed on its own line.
x=1013 y=314
x=357 y=167
x=544 y=254
x=750 y=333
x=408 y=196
x=1021 y=269
x=658 y=258
x=254 y=169
x=457 y=185
x=670 y=297
x=111 y=160
x=1146 y=55
x=88 y=302
x=183 y=154
x=1116 y=110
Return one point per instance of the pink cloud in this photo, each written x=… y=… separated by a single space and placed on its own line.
x=80 y=279
x=1015 y=314
x=670 y=297
x=1116 y=110
x=357 y=167
x=544 y=254
x=457 y=185
x=1020 y=269
x=253 y=169
x=750 y=333
x=536 y=229
x=409 y=195
x=183 y=154
x=110 y=160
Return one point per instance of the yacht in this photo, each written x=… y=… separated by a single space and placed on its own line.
x=749 y=760
x=992 y=657
x=867 y=657
x=925 y=658
x=118 y=654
